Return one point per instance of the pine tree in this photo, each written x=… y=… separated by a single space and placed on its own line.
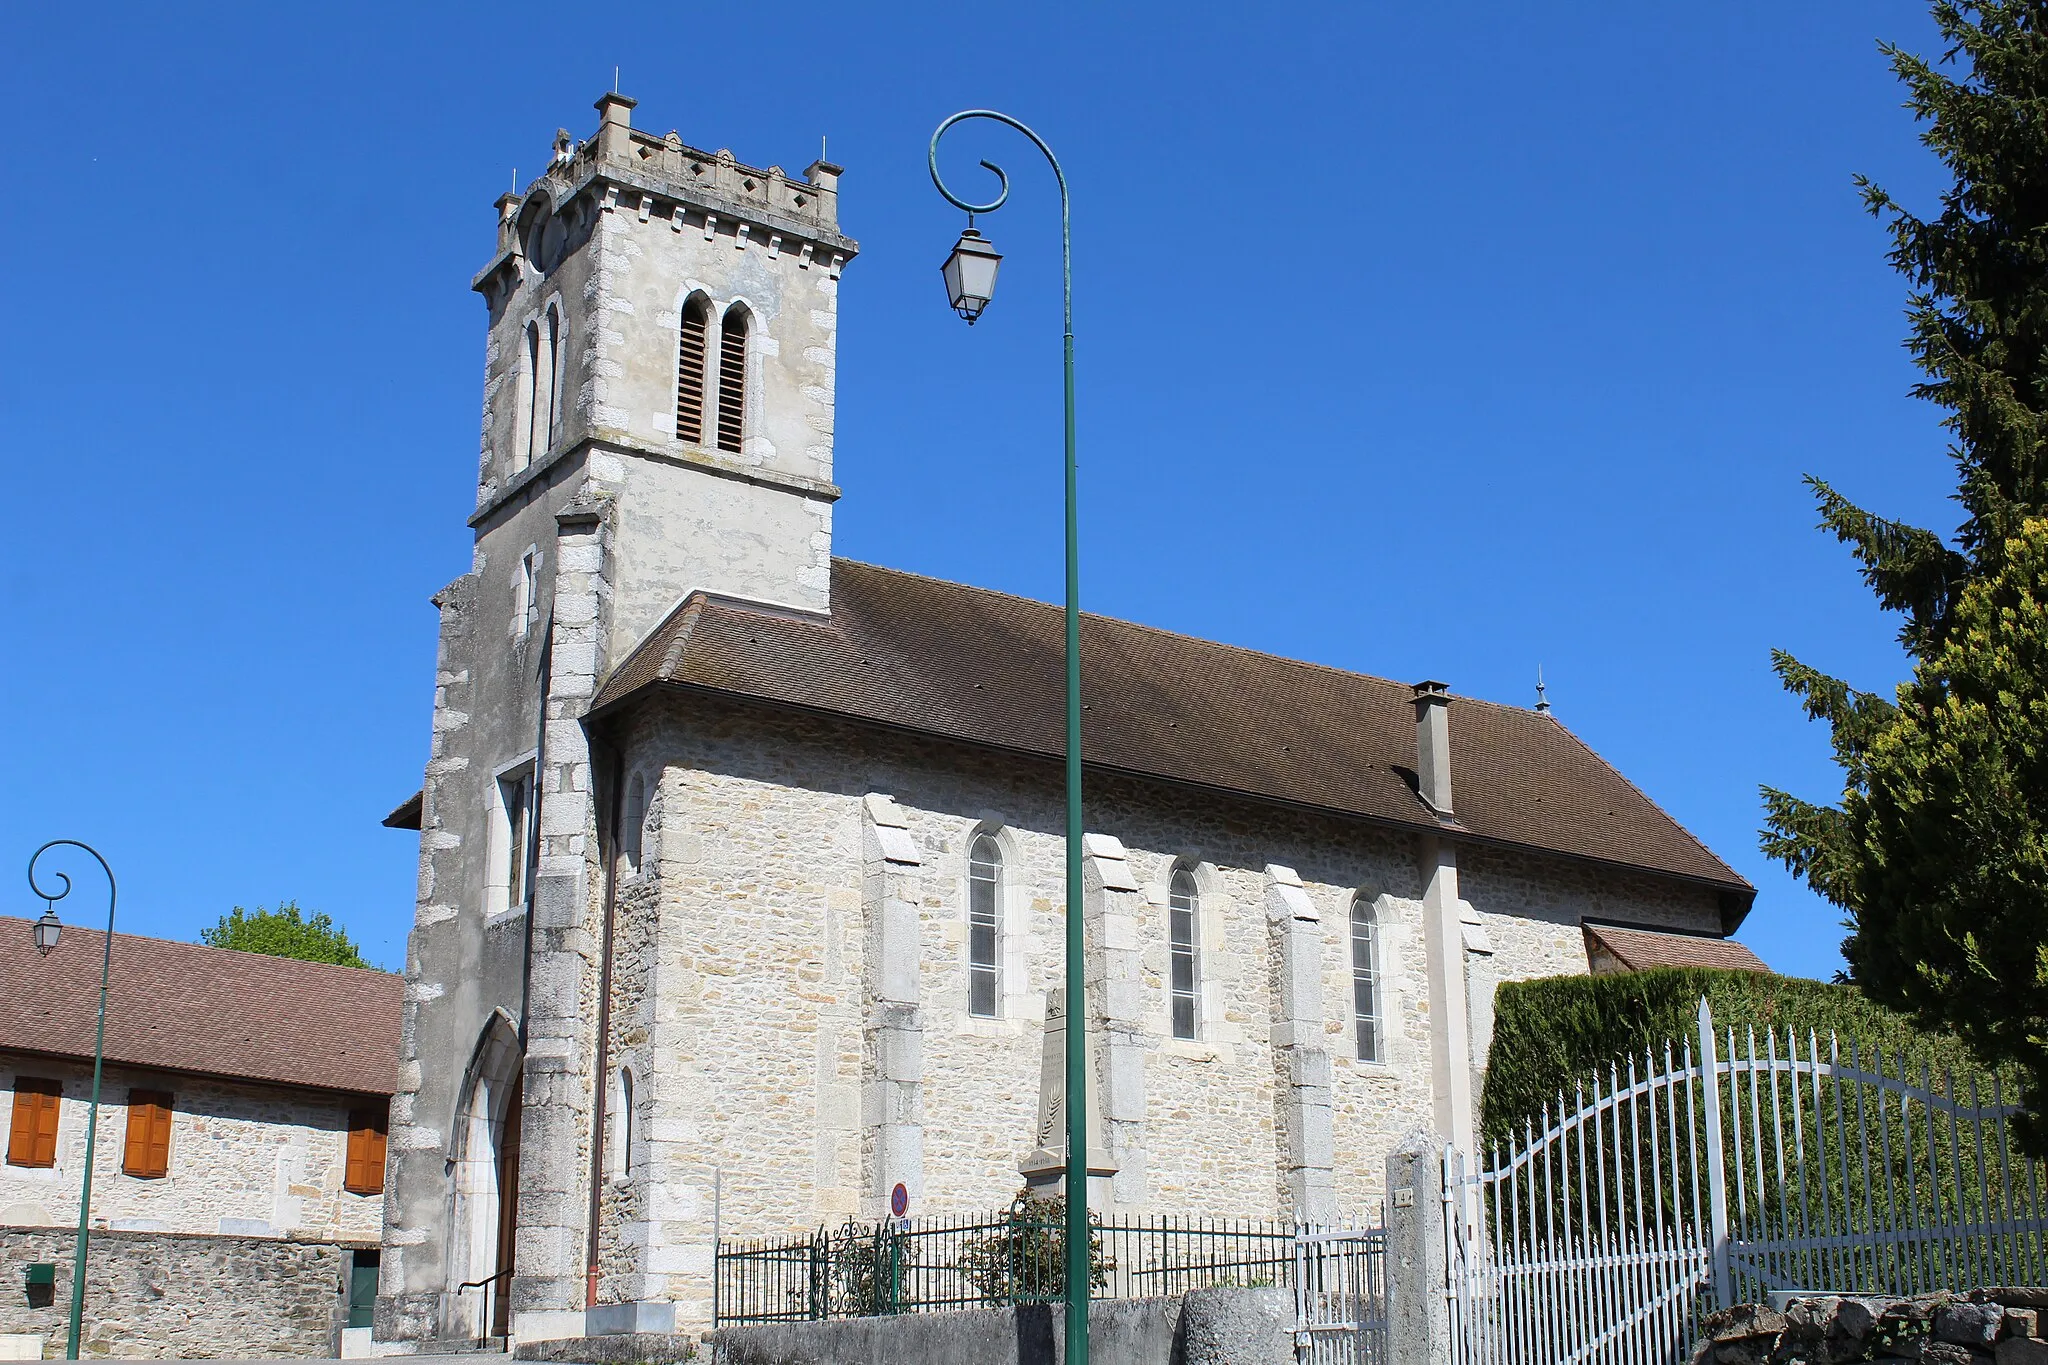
x=1978 y=331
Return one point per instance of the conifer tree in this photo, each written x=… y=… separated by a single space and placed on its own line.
x=1978 y=330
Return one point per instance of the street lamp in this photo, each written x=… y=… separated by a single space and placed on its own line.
x=971 y=274
x=46 y=931
x=970 y=281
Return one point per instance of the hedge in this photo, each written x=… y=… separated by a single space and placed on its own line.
x=1556 y=1033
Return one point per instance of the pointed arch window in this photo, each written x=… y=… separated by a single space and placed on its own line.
x=732 y=378
x=528 y=389
x=984 y=925
x=1183 y=905
x=690 y=349
x=1365 y=980
x=547 y=421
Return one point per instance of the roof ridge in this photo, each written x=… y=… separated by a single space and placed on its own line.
x=212 y=948
x=1288 y=659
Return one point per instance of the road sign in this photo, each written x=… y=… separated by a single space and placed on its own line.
x=899 y=1200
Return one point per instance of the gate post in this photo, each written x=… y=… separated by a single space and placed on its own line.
x=1418 y=1316
x=1717 y=1164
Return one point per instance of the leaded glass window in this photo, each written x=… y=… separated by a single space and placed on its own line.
x=984 y=925
x=1184 y=902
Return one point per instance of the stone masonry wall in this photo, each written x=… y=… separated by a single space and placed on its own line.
x=244 y=1159
x=745 y=1007
x=161 y=1295
x=1993 y=1326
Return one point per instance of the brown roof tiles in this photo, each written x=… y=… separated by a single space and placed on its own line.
x=986 y=668
x=209 y=1011
x=1635 y=950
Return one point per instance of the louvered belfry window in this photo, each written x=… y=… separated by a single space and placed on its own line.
x=366 y=1137
x=32 y=1137
x=696 y=332
x=732 y=379
x=148 y=1150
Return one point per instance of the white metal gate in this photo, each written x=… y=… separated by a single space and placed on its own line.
x=1340 y=1296
x=1707 y=1177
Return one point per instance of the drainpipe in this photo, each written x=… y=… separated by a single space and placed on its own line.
x=540 y=756
x=604 y=1016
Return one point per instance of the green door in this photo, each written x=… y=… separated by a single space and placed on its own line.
x=362 y=1289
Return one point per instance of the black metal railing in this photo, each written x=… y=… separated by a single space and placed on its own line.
x=997 y=1260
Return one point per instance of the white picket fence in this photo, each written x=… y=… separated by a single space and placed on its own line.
x=1714 y=1174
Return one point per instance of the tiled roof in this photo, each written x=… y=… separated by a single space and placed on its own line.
x=1636 y=950
x=986 y=668
x=211 y=1011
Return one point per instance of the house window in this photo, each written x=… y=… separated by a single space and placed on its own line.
x=147 y=1151
x=732 y=378
x=32 y=1138
x=511 y=835
x=364 y=1172
x=696 y=332
x=1365 y=979
x=1183 y=903
x=984 y=925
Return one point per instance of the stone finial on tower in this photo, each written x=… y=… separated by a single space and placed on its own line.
x=1433 y=746
x=616 y=114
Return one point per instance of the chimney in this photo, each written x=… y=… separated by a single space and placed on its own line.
x=1433 y=746
x=615 y=113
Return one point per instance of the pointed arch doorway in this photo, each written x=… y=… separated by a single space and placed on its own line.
x=484 y=1164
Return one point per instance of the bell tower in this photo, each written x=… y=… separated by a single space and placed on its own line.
x=658 y=413
x=666 y=317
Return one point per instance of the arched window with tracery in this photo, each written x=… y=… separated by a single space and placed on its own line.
x=1183 y=908
x=1365 y=979
x=732 y=378
x=984 y=925
x=690 y=349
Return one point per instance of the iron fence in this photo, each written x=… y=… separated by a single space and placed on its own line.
x=1003 y=1260
x=1715 y=1175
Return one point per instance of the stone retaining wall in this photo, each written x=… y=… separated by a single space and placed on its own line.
x=155 y=1295
x=2002 y=1325
x=1204 y=1327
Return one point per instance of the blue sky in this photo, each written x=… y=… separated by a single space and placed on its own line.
x=1420 y=340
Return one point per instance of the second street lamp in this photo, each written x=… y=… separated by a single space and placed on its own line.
x=46 y=932
x=970 y=282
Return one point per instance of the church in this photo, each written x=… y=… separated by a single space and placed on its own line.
x=741 y=866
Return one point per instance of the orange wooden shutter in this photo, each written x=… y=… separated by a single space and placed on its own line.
x=147 y=1152
x=365 y=1173
x=32 y=1136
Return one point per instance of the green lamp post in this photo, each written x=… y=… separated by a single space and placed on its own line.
x=47 y=930
x=970 y=275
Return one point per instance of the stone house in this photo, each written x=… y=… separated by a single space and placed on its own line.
x=741 y=884
x=243 y=1097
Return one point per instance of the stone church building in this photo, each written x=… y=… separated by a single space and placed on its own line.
x=740 y=888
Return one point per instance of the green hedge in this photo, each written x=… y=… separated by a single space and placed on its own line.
x=1556 y=1033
